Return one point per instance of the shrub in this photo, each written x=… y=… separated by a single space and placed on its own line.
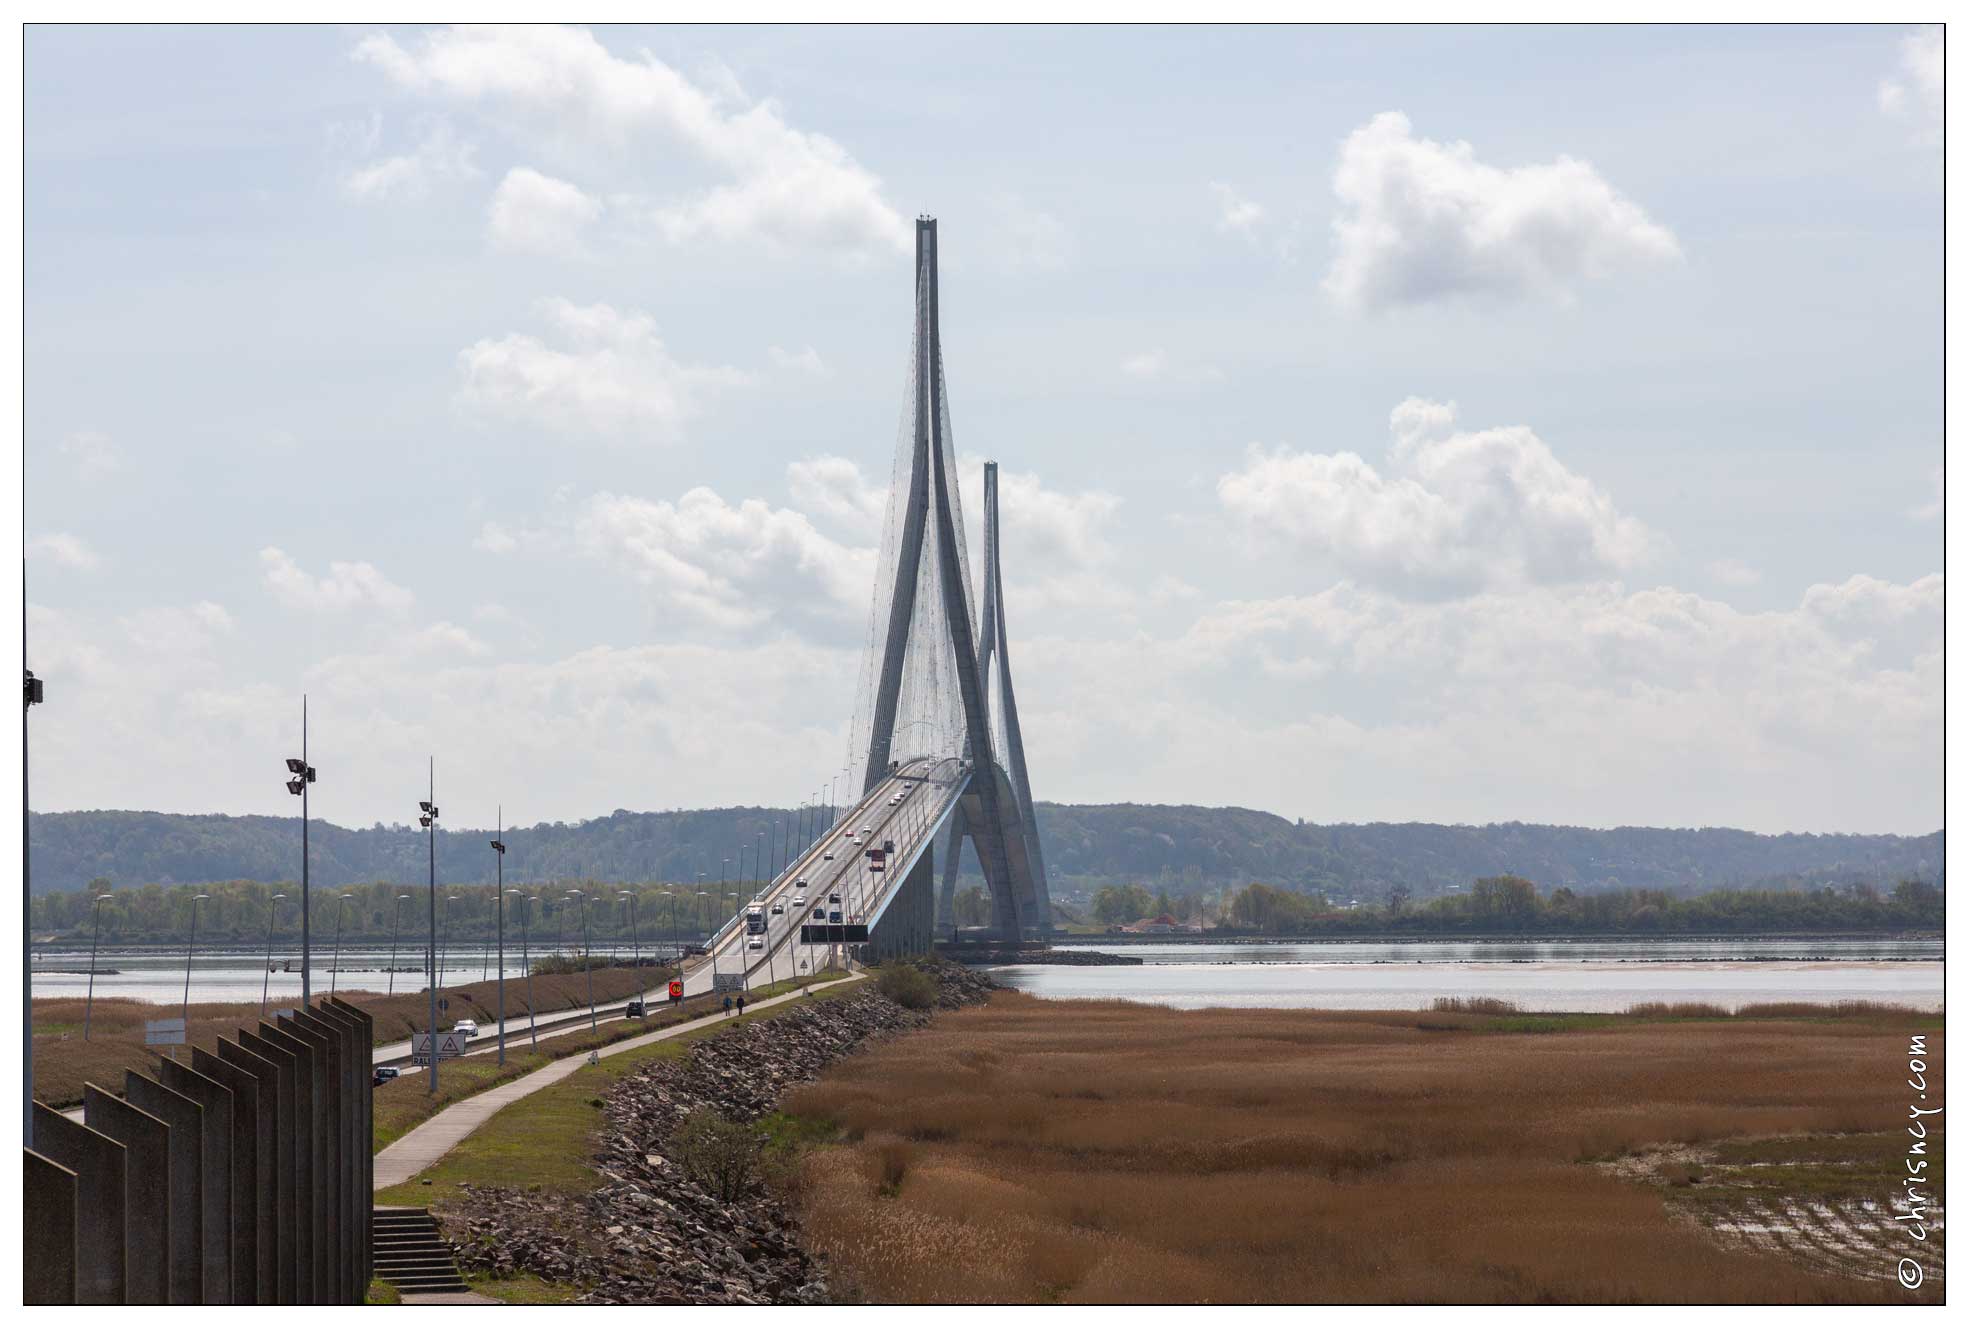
x=718 y=1154
x=1474 y=1006
x=906 y=985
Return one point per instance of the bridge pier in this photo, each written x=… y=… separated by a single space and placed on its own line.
x=908 y=922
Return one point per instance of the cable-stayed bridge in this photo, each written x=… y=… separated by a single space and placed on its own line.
x=935 y=731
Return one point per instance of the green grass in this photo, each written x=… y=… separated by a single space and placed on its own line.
x=406 y=1102
x=524 y=1290
x=382 y=1294
x=542 y=1141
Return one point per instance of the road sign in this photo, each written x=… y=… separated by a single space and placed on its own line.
x=451 y=1044
x=444 y=1003
x=728 y=983
x=158 y=1032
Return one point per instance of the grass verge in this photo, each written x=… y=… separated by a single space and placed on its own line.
x=541 y=1143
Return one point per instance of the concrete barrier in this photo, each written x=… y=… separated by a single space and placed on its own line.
x=306 y=1103
x=340 y=1247
x=247 y=1221
x=241 y=1177
x=97 y=1162
x=183 y=1116
x=219 y=1247
x=146 y=1142
x=48 y=1242
x=269 y=1063
x=355 y=1066
x=365 y=1091
x=321 y=1202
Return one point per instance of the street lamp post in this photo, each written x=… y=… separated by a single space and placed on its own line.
x=34 y=694
x=526 y=963
x=395 y=922
x=714 y=950
x=590 y=968
x=191 y=944
x=428 y=819
x=264 y=978
x=499 y=861
x=91 y=1000
x=444 y=936
x=299 y=776
x=635 y=937
x=335 y=970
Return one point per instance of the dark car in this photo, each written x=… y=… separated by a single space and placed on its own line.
x=382 y=1075
x=695 y=950
x=632 y=1010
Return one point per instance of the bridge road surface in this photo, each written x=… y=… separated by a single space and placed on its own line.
x=815 y=875
x=847 y=872
x=422 y=1146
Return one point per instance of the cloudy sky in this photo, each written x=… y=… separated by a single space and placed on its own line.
x=1396 y=424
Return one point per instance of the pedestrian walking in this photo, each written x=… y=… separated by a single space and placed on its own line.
x=741 y=1003
x=728 y=1005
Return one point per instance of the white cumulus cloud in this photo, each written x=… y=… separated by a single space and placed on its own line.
x=727 y=565
x=1452 y=511
x=537 y=214
x=1234 y=211
x=438 y=156
x=1915 y=92
x=774 y=183
x=610 y=375
x=68 y=551
x=1422 y=221
x=833 y=488
x=347 y=586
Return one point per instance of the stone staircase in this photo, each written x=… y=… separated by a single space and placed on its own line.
x=410 y=1255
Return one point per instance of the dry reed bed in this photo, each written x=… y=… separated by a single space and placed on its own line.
x=63 y=1062
x=1033 y=1151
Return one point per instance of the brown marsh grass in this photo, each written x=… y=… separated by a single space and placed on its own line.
x=1110 y=1152
x=63 y=1062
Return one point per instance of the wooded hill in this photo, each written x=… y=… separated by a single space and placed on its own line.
x=1086 y=846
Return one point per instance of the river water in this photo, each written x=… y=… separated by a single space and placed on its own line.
x=1538 y=975
x=157 y=973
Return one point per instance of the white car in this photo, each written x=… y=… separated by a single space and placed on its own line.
x=799 y=900
x=897 y=799
x=868 y=830
x=469 y=1028
x=779 y=909
x=829 y=855
x=756 y=944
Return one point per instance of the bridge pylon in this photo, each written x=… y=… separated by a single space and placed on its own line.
x=929 y=691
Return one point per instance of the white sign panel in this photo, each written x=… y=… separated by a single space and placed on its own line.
x=728 y=983
x=450 y=1044
x=157 y=1032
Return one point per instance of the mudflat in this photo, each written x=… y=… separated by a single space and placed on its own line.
x=1032 y=1151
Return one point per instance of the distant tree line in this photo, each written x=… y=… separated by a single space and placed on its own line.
x=1513 y=904
x=1179 y=850
x=237 y=913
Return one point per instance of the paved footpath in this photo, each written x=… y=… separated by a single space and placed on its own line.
x=421 y=1147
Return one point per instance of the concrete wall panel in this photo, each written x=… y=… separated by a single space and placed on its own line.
x=97 y=1162
x=146 y=1142
x=247 y=1221
x=219 y=1243
x=48 y=1196
x=185 y=1118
